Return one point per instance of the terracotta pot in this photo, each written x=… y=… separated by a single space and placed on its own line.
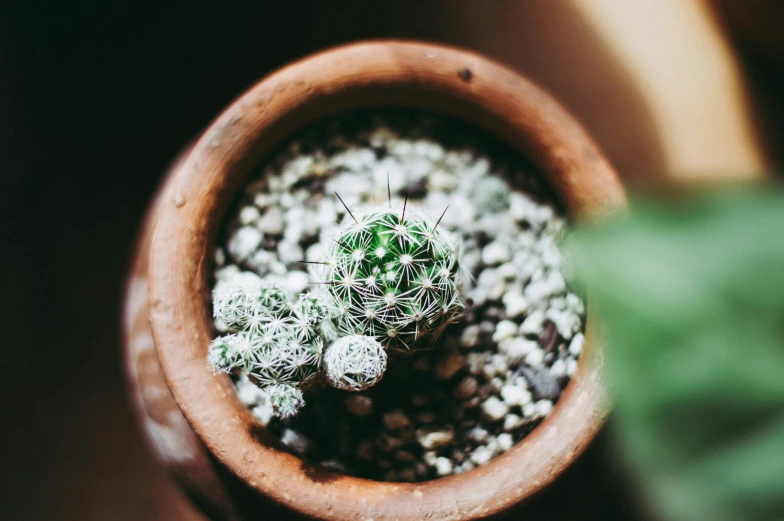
x=198 y=425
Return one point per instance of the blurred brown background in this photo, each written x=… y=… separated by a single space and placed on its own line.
x=97 y=98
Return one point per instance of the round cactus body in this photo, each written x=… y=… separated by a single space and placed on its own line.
x=394 y=276
x=355 y=363
x=285 y=400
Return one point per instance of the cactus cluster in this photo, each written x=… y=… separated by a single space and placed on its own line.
x=395 y=277
x=390 y=280
x=277 y=344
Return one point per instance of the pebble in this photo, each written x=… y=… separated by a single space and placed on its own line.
x=481 y=455
x=495 y=253
x=433 y=439
x=469 y=338
x=477 y=434
x=494 y=409
x=243 y=242
x=248 y=214
x=576 y=345
x=512 y=422
x=396 y=419
x=289 y=252
x=535 y=357
x=359 y=404
x=466 y=388
x=272 y=221
x=543 y=407
x=505 y=441
x=448 y=366
x=295 y=441
x=517 y=349
x=296 y=282
x=504 y=329
x=443 y=466
x=532 y=325
x=515 y=396
x=516 y=305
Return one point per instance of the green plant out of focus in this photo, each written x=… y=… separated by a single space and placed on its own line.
x=690 y=298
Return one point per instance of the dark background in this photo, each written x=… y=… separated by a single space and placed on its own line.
x=97 y=97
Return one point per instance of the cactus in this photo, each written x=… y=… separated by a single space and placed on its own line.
x=395 y=277
x=286 y=400
x=275 y=343
x=355 y=363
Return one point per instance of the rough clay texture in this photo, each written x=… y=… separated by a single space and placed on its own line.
x=497 y=372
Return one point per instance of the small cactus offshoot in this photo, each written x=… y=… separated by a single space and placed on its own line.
x=286 y=400
x=275 y=343
x=355 y=363
x=395 y=277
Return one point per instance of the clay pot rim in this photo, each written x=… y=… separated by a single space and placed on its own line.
x=433 y=77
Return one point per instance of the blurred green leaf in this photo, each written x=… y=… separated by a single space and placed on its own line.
x=690 y=296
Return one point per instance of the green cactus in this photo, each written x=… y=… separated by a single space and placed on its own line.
x=355 y=363
x=395 y=277
x=275 y=343
x=286 y=400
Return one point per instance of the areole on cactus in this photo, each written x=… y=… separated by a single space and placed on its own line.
x=390 y=280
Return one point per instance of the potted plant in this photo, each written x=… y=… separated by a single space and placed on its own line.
x=217 y=448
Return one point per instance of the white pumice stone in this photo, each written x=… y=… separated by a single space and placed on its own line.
x=495 y=253
x=429 y=457
x=533 y=323
x=508 y=271
x=477 y=434
x=470 y=336
x=576 y=345
x=430 y=439
x=543 y=407
x=296 y=441
x=220 y=257
x=481 y=455
x=517 y=348
x=558 y=369
x=289 y=252
x=571 y=367
x=566 y=322
x=504 y=329
x=443 y=466
x=243 y=242
x=248 y=214
x=505 y=441
x=494 y=409
x=271 y=222
x=516 y=305
x=263 y=413
x=512 y=422
x=535 y=357
x=515 y=396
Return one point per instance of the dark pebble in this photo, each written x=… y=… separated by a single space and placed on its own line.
x=543 y=385
x=548 y=340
